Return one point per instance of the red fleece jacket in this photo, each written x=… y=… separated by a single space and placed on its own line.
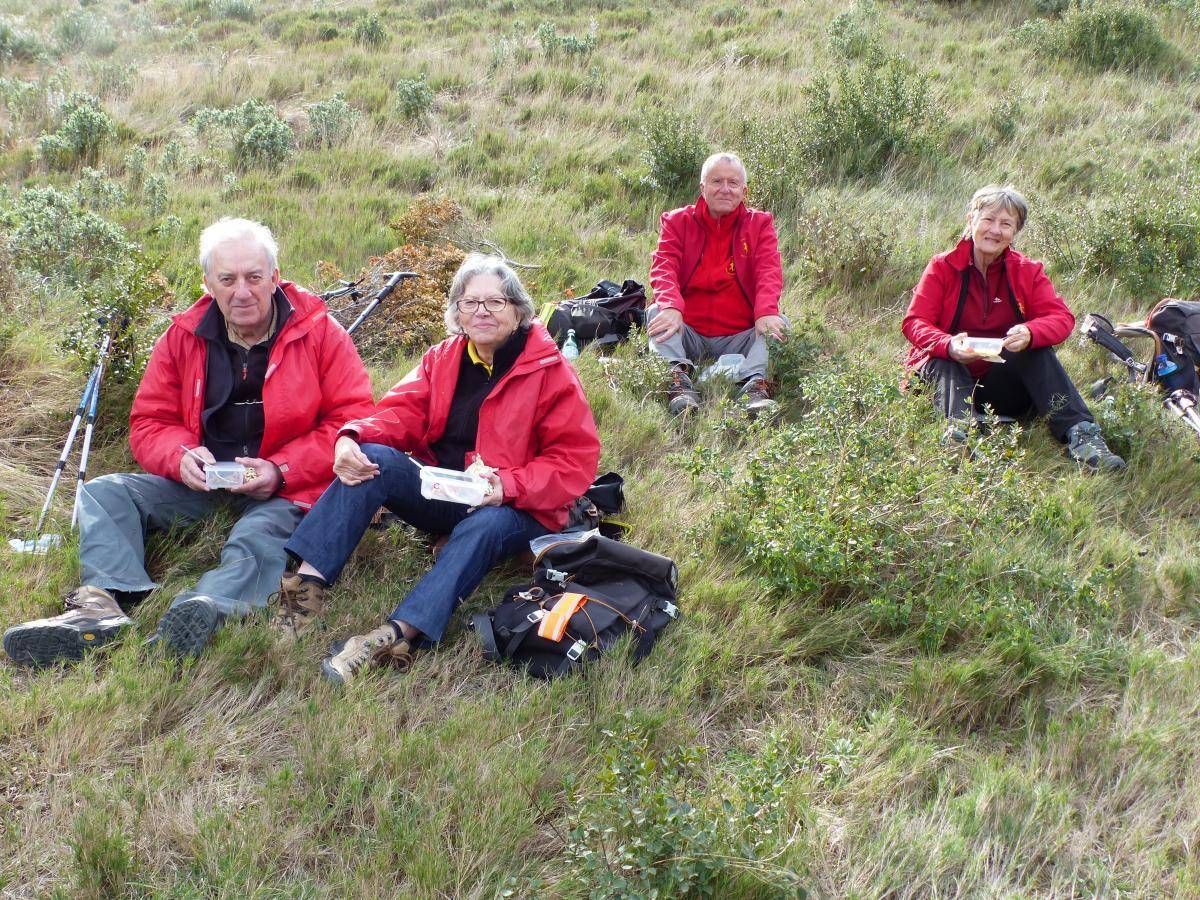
x=757 y=269
x=931 y=312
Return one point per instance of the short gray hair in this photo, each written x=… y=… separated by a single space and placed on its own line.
x=478 y=264
x=228 y=229
x=723 y=157
x=1002 y=195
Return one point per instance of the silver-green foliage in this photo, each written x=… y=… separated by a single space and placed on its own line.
x=84 y=128
x=1102 y=34
x=258 y=137
x=330 y=121
x=675 y=148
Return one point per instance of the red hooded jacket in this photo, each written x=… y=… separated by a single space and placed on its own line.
x=535 y=427
x=931 y=312
x=315 y=383
x=756 y=264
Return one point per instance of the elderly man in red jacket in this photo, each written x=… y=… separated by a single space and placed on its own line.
x=983 y=288
x=256 y=373
x=717 y=278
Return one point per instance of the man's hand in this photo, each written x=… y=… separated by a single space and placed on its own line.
x=959 y=351
x=495 y=496
x=1018 y=338
x=267 y=480
x=350 y=464
x=665 y=323
x=191 y=470
x=771 y=326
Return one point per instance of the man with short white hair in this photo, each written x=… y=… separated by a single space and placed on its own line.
x=255 y=375
x=717 y=278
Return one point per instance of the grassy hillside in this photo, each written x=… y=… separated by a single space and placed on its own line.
x=900 y=674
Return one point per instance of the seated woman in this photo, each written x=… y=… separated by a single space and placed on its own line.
x=985 y=289
x=496 y=394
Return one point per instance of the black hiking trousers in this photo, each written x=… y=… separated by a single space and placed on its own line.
x=1029 y=382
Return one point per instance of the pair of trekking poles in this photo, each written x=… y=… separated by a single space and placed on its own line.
x=85 y=414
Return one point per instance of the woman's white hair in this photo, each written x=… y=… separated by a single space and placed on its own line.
x=723 y=157
x=514 y=291
x=228 y=229
x=1006 y=196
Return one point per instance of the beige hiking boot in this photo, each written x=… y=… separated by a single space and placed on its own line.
x=298 y=605
x=372 y=650
x=92 y=619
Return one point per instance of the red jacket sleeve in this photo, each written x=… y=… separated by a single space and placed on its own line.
x=401 y=419
x=920 y=324
x=568 y=450
x=665 y=265
x=157 y=430
x=768 y=270
x=307 y=460
x=1050 y=321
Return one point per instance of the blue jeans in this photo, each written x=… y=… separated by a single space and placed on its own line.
x=478 y=540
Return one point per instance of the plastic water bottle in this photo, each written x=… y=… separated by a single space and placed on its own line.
x=570 y=349
x=1165 y=365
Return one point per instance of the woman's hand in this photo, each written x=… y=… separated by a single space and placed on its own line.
x=959 y=351
x=350 y=464
x=495 y=494
x=1018 y=338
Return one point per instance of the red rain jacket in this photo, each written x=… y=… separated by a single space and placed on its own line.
x=935 y=299
x=756 y=264
x=535 y=427
x=315 y=383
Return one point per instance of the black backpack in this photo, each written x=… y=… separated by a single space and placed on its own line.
x=596 y=590
x=1176 y=324
x=603 y=316
x=599 y=507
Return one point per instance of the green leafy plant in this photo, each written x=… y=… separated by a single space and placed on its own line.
x=675 y=150
x=1102 y=34
x=84 y=128
x=369 y=31
x=331 y=121
x=258 y=137
x=852 y=32
x=554 y=44
x=414 y=98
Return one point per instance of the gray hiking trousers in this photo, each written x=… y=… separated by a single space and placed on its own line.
x=688 y=347
x=118 y=511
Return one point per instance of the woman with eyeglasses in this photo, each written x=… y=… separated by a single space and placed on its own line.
x=496 y=397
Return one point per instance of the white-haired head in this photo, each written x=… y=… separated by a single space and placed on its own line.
x=479 y=264
x=230 y=230
x=723 y=157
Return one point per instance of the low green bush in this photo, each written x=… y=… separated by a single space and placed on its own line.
x=82 y=30
x=18 y=44
x=852 y=33
x=675 y=150
x=842 y=247
x=84 y=128
x=257 y=136
x=331 y=121
x=369 y=31
x=555 y=45
x=1102 y=34
x=868 y=117
x=414 y=98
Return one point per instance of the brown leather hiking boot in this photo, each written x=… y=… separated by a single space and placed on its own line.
x=756 y=400
x=681 y=395
x=373 y=650
x=92 y=619
x=298 y=606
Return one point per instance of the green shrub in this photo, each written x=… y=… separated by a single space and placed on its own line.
x=330 y=121
x=776 y=166
x=675 y=151
x=852 y=32
x=554 y=44
x=245 y=10
x=84 y=128
x=154 y=191
x=53 y=235
x=19 y=45
x=369 y=32
x=258 y=137
x=728 y=14
x=1144 y=235
x=866 y=118
x=113 y=79
x=842 y=248
x=414 y=98
x=80 y=31
x=135 y=165
x=1102 y=34
x=22 y=99
x=95 y=190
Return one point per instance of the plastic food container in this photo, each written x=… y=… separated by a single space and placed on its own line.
x=990 y=347
x=452 y=486
x=220 y=475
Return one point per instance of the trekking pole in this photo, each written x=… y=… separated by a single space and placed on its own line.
x=91 y=424
x=66 y=450
x=1183 y=404
x=394 y=278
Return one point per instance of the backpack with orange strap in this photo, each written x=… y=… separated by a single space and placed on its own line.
x=588 y=592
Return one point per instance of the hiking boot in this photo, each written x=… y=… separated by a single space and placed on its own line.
x=682 y=396
x=372 y=650
x=299 y=605
x=756 y=399
x=187 y=627
x=955 y=434
x=92 y=619
x=1086 y=445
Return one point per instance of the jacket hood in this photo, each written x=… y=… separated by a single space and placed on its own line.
x=307 y=310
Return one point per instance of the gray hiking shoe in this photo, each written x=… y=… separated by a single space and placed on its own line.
x=756 y=400
x=682 y=396
x=1086 y=446
x=186 y=628
x=92 y=619
x=298 y=606
x=373 y=650
x=956 y=433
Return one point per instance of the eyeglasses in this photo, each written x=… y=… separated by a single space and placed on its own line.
x=469 y=305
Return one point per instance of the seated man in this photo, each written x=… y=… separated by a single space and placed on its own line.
x=983 y=289
x=255 y=372
x=717 y=277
